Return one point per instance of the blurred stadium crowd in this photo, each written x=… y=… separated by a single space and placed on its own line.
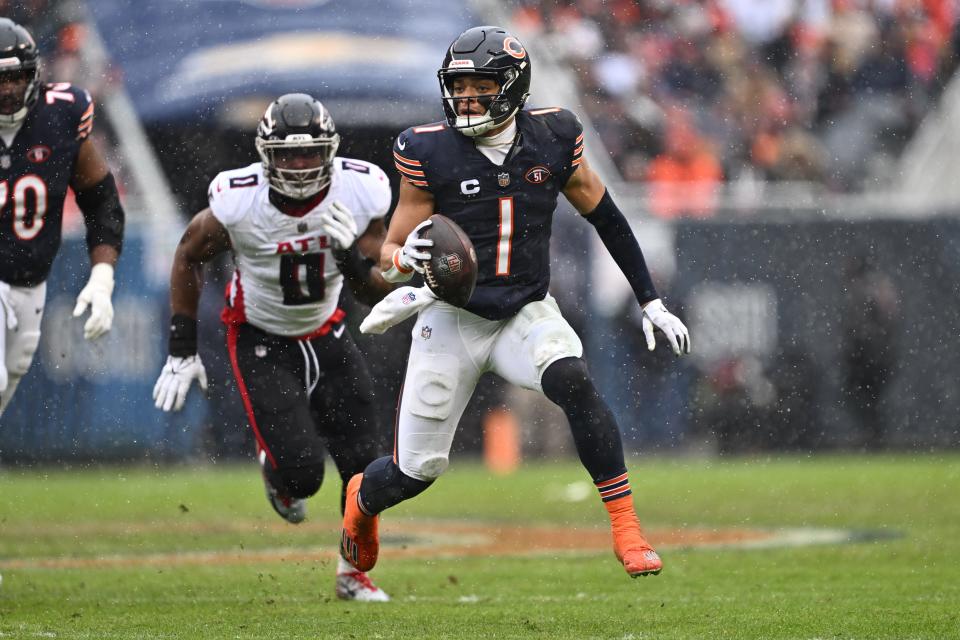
x=826 y=91
x=58 y=27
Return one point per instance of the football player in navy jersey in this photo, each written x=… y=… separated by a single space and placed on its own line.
x=497 y=171
x=45 y=148
x=300 y=223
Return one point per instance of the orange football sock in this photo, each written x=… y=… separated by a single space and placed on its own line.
x=618 y=500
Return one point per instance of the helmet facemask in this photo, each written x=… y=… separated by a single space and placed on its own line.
x=298 y=184
x=499 y=106
x=297 y=141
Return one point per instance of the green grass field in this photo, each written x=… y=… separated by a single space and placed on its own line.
x=195 y=552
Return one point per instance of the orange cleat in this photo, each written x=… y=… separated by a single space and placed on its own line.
x=631 y=548
x=359 y=540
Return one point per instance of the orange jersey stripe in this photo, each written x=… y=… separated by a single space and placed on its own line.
x=409 y=172
x=405 y=160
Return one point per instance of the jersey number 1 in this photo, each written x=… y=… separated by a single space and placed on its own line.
x=505 y=238
x=26 y=226
x=301 y=278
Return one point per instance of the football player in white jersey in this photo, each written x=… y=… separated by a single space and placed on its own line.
x=299 y=223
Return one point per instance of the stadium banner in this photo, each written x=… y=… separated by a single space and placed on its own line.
x=93 y=400
x=375 y=63
x=825 y=333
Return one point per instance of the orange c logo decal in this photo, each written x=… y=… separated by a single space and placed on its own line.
x=513 y=47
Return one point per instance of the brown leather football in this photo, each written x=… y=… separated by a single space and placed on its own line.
x=452 y=271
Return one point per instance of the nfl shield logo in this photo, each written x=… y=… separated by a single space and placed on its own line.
x=301 y=227
x=426 y=332
x=260 y=351
x=450 y=263
x=4 y=162
x=503 y=179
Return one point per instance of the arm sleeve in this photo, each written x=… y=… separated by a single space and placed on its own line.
x=103 y=214
x=618 y=238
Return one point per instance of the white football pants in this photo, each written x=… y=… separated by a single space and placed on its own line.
x=21 y=310
x=451 y=349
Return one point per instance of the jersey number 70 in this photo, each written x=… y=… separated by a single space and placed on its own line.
x=25 y=225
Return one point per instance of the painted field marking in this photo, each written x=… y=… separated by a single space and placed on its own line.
x=431 y=538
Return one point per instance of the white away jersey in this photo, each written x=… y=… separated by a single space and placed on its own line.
x=286 y=280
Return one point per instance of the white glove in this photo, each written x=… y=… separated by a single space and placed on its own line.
x=410 y=256
x=174 y=382
x=413 y=253
x=338 y=223
x=656 y=315
x=96 y=295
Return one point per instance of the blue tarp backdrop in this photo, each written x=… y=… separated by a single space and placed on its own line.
x=376 y=59
x=93 y=400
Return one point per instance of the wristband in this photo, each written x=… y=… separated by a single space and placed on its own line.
x=352 y=263
x=183 y=336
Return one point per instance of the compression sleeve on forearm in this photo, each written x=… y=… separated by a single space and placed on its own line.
x=618 y=238
x=102 y=213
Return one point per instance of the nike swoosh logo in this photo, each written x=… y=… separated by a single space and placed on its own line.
x=339 y=331
x=401 y=144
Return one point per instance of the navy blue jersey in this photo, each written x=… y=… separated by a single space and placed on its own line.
x=506 y=210
x=34 y=174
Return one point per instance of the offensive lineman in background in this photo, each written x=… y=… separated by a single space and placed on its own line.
x=44 y=148
x=497 y=171
x=299 y=223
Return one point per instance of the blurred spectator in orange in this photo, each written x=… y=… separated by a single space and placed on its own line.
x=852 y=77
x=683 y=180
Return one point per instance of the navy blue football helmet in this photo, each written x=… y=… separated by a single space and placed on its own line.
x=18 y=55
x=494 y=53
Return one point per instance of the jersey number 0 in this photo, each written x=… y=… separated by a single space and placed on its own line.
x=301 y=278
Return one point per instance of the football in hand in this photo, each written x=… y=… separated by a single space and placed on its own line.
x=452 y=271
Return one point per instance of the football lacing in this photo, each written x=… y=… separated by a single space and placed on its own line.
x=428 y=276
